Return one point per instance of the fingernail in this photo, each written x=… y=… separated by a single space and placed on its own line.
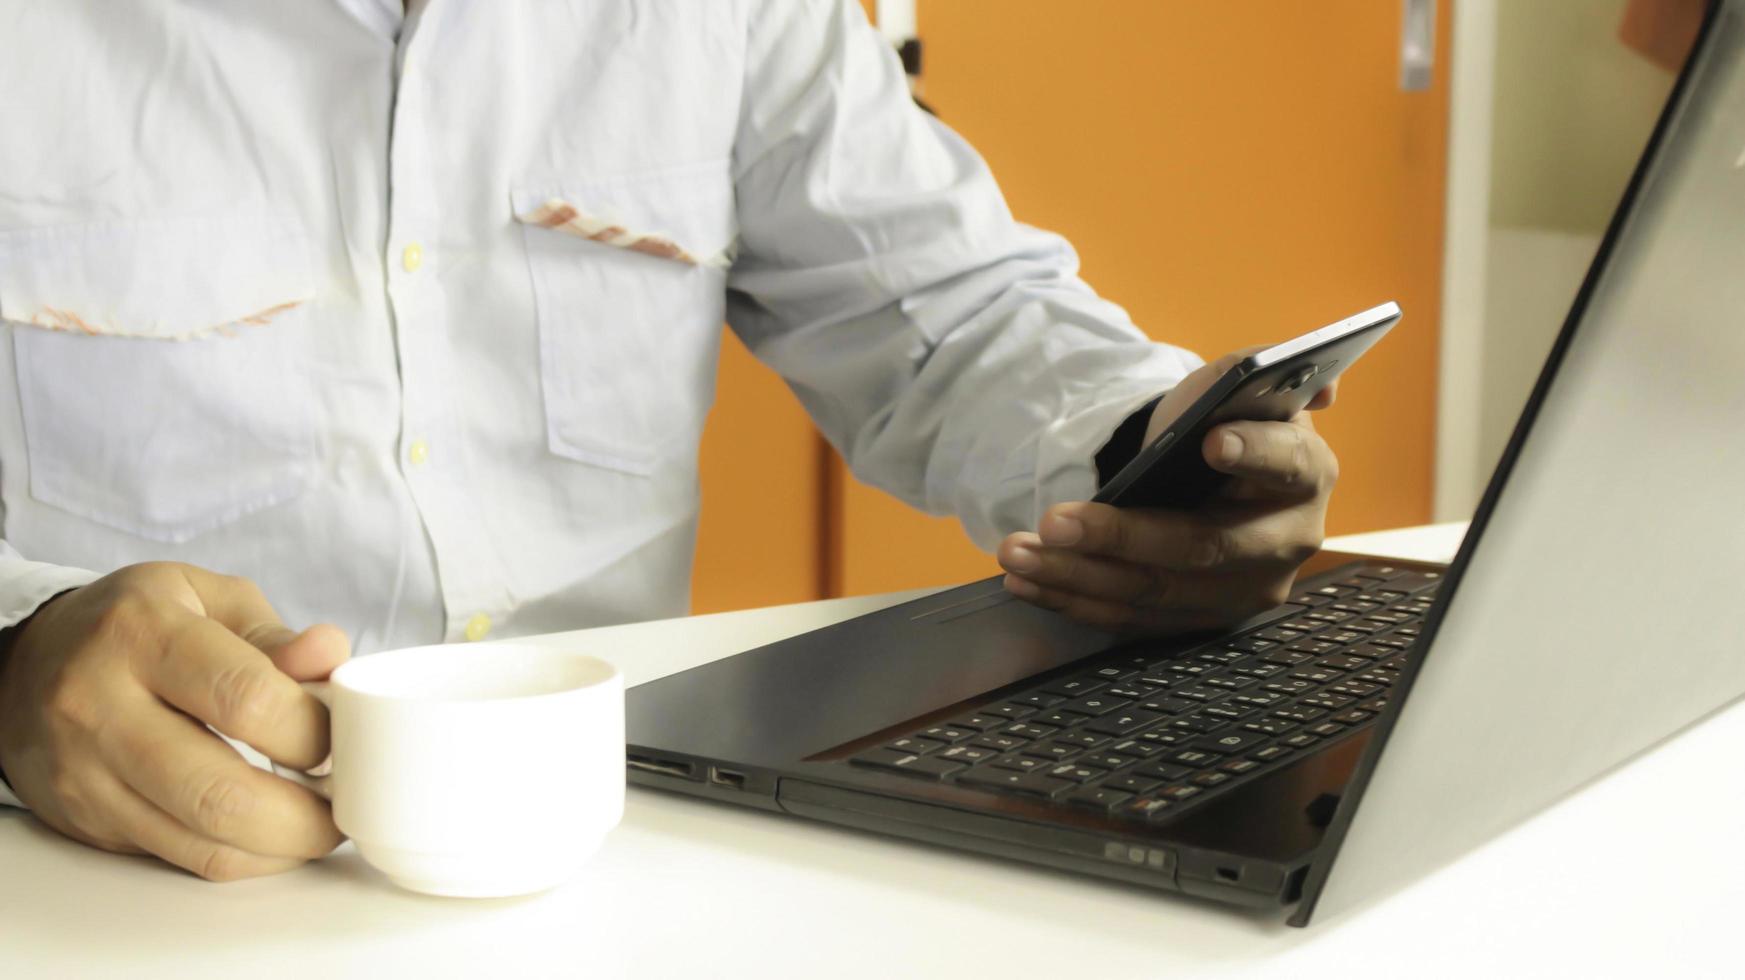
x=1229 y=448
x=1023 y=559
x=1059 y=529
x=1023 y=588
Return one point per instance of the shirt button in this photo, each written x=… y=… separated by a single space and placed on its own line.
x=478 y=626
x=412 y=257
x=418 y=452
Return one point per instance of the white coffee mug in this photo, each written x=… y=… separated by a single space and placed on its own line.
x=478 y=770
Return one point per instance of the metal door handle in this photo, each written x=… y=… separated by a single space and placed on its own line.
x=1417 y=44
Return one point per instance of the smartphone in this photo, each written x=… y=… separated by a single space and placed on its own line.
x=1272 y=385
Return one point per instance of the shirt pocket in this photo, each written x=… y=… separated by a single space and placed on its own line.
x=159 y=368
x=629 y=282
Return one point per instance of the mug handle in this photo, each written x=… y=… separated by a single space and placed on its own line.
x=322 y=784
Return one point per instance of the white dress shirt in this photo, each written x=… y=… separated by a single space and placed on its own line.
x=280 y=298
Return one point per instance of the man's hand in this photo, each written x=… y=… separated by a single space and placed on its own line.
x=105 y=697
x=1168 y=571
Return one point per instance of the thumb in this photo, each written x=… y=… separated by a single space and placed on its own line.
x=307 y=656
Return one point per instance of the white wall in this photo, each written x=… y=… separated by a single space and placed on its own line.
x=1549 y=115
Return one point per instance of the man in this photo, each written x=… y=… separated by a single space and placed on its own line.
x=408 y=322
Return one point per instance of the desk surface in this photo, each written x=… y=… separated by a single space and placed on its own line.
x=1617 y=880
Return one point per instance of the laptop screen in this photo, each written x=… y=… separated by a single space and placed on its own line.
x=1588 y=615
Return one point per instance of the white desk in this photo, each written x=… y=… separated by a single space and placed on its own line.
x=1635 y=876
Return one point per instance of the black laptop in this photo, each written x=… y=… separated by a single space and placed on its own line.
x=1232 y=767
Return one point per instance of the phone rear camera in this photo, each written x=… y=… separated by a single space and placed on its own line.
x=1297 y=379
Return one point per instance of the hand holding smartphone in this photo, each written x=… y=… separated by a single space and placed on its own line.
x=1272 y=385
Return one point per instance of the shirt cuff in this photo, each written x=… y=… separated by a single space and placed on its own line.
x=1125 y=444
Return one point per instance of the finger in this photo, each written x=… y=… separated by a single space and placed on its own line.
x=1290 y=460
x=242 y=608
x=150 y=830
x=1114 y=580
x=312 y=654
x=1325 y=397
x=208 y=672
x=1172 y=540
x=1114 y=617
x=186 y=771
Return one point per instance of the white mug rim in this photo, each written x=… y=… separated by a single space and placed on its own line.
x=602 y=674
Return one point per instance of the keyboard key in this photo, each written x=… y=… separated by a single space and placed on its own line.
x=1223 y=656
x=1271 y=752
x=1325 y=728
x=1025 y=730
x=1251 y=644
x=1342 y=637
x=1072 y=772
x=1337 y=662
x=1332 y=702
x=1238 y=766
x=1301 y=740
x=1189 y=669
x=1039 y=700
x=1088 y=740
x=1033 y=783
x=1381 y=678
x=966 y=753
x=1278 y=634
x=1299 y=714
x=1114 y=673
x=1229 y=683
x=1374 y=705
x=1288 y=686
x=1053 y=751
x=1196 y=724
x=1209 y=778
x=1136 y=747
x=1122 y=722
x=1164 y=737
x=1258 y=671
x=1332 y=616
x=1135 y=783
x=1168 y=706
x=1314 y=647
x=1056 y=717
x=1352 y=717
x=979 y=722
x=1164 y=771
x=1144 y=808
x=1270 y=726
x=1009 y=710
x=1098 y=797
x=1229 y=711
x=1178 y=792
x=1259 y=699
x=1198 y=693
x=1127 y=693
x=1107 y=760
x=1314 y=675
x=1353 y=689
x=1304 y=625
x=1093 y=705
x=946 y=733
x=1193 y=758
x=914 y=745
x=1287 y=658
x=905 y=762
x=1001 y=743
x=1019 y=763
x=1072 y=687
x=1229 y=743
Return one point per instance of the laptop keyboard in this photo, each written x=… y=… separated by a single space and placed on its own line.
x=1141 y=736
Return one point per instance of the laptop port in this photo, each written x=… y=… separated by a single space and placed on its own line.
x=664 y=767
x=727 y=778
